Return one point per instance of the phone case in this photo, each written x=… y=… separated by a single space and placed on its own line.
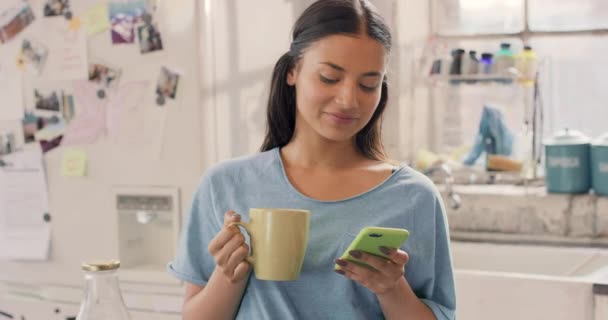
x=370 y=239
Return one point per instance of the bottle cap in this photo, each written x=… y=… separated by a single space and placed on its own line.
x=101 y=265
x=567 y=137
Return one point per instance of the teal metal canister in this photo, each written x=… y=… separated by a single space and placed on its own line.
x=568 y=162
x=599 y=164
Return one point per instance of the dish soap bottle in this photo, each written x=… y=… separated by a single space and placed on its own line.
x=102 y=298
x=527 y=65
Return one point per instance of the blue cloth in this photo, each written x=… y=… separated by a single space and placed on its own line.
x=494 y=137
x=405 y=200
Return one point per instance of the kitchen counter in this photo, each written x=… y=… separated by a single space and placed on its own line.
x=517 y=214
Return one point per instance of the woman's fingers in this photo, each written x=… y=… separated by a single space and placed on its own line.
x=240 y=272
x=397 y=256
x=232 y=245
x=227 y=232
x=237 y=257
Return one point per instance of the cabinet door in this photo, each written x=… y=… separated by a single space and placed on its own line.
x=19 y=308
x=154 y=316
x=22 y=308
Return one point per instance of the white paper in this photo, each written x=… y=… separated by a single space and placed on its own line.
x=24 y=197
x=25 y=243
x=67 y=52
x=23 y=203
x=11 y=93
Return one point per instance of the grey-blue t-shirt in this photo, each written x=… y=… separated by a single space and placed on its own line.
x=407 y=199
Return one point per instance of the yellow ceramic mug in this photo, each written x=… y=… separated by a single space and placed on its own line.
x=278 y=242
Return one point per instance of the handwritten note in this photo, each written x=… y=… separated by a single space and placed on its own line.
x=23 y=192
x=90 y=121
x=68 y=52
x=74 y=163
x=24 y=234
x=10 y=91
x=96 y=19
x=125 y=96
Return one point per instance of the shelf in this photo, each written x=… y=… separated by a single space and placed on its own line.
x=475 y=79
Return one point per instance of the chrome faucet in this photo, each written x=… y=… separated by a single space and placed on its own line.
x=454 y=199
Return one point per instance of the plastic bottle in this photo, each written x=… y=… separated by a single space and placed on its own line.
x=486 y=64
x=527 y=65
x=456 y=66
x=457 y=57
x=470 y=65
x=504 y=60
x=102 y=298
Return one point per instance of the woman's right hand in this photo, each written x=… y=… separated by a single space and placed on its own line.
x=229 y=250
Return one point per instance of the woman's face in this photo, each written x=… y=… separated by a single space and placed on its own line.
x=338 y=84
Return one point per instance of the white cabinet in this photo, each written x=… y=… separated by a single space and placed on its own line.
x=23 y=308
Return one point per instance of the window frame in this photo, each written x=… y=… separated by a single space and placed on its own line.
x=523 y=35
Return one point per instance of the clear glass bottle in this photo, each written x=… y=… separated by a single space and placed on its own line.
x=102 y=298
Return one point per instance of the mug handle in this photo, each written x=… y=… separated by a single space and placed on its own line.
x=249 y=258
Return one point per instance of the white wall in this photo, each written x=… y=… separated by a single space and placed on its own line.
x=84 y=221
x=242 y=40
x=227 y=50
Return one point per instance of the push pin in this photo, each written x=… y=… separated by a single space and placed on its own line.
x=101 y=94
x=160 y=100
x=46 y=217
x=147 y=18
x=68 y=15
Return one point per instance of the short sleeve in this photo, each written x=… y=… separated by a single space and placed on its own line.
x=193 y=263
x=442 y=298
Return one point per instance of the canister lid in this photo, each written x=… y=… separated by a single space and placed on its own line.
x=101 y=265
x=601 y=141
x=568 y=137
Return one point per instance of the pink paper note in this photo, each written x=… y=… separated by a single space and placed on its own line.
x=90 y=121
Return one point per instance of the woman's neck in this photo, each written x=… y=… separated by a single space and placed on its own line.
x=321 y=153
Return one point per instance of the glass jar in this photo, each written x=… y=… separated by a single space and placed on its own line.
x=102 y=298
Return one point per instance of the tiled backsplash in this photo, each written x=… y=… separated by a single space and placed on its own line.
x=506 y=213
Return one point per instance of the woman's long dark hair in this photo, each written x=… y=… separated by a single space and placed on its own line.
x=321 y=19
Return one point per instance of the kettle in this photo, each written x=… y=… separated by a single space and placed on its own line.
x=599 y=164
x=567 y=163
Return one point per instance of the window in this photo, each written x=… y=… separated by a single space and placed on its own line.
x=569 y=36
x=453 y=17
x=566 y=15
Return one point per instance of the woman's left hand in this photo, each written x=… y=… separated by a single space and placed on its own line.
x=384 y=275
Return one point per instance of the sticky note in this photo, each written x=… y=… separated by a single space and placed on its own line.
x=96 y=19
x=74 y=24
x=74 y=163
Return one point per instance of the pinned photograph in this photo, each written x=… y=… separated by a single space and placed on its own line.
x=14 y=19
x=149 y=38
x=32 y=124
x=33 y=55
x=124 y=15
x=47 y=100
x=53 y=8
x=67 y=107
x=167 y=85
x=103 y=74
x=8 y=143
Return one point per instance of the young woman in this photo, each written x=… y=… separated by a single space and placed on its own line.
x=322 y=153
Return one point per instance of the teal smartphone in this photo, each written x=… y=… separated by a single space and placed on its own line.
x=370 y=239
